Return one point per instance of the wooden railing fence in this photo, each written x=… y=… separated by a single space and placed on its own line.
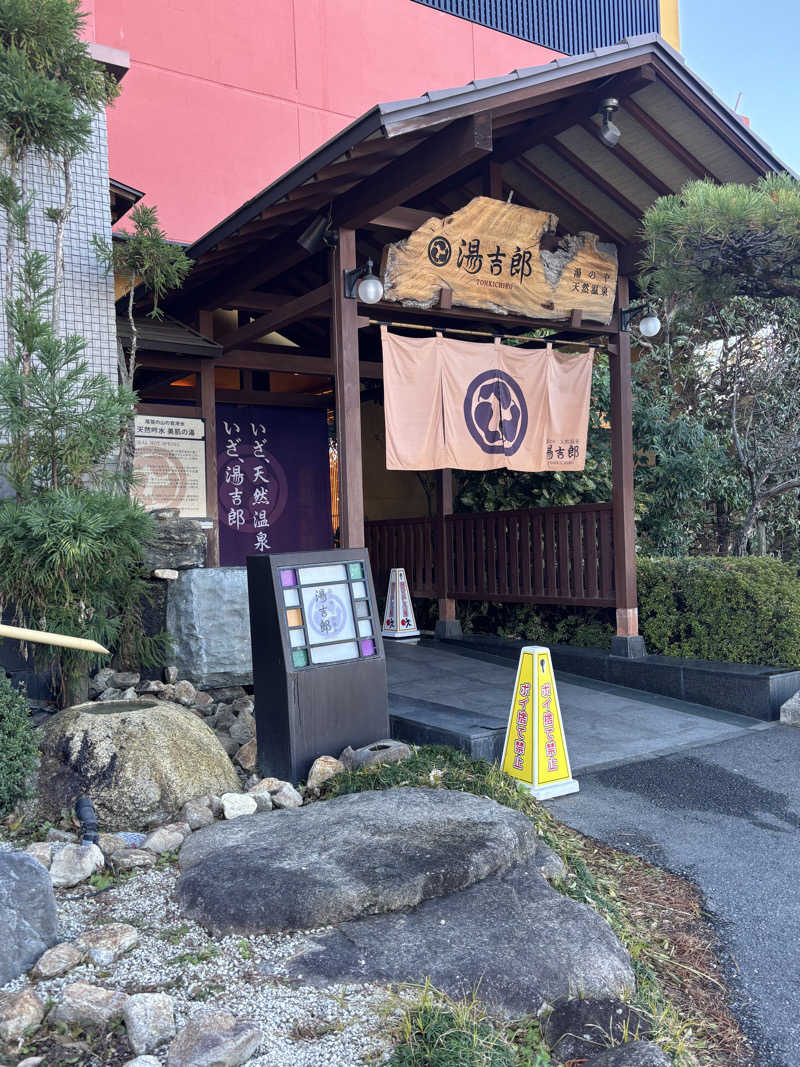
x=533 y=555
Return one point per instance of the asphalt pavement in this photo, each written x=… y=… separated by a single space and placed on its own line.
x=727 y=816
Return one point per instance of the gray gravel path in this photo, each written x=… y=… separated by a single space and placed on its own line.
x=726 y=815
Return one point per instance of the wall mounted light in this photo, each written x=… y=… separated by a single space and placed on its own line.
x=649 y=325
x=610 y=133
x=361 y=284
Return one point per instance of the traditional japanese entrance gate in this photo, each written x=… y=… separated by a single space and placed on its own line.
x=270 y=286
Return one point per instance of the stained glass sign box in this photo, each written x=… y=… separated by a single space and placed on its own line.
x=318 y=664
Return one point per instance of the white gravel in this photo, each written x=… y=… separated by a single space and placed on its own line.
x=340 y=1026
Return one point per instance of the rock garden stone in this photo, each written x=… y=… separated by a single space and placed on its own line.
x=634 y=1054
x=61 y=835
x=322 y=769
x=385 y=751
x=214 y=1039
x=353 y=855
x=101 y=680
x=185 y=692
x=225 y=717
x=166 y=574
x=143 y=1061
x=73 y=864
x=229 y=746
x=58 y=960
x=236 y=804
x=266 y=785
x=83 y=1004
x=112 y=695
x=203 y=701
x=263 y=801
x=167 y=838
x=550 y=864
x=41 y=851
x=513 y=936
x=19 y=1012
x=242 y=705
x=133 y=859
x=226 y=694
x=178 y=542
x=285 y=797
x=107 y=943
x=585 y=1026
x=134 y=760
x=241 y=730
x=124 y=679
x=197 y=813
x=247 y=756
x=170 y=675
x=152 y=685
x=110 y=843
x=149 y=1020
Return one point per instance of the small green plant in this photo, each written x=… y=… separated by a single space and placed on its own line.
x=244 y=950
x=18 y=746
x=174 y=935
x=440 y=1032
x=202 y=955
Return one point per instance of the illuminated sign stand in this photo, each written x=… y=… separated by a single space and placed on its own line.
x=535 y=751
x=318 y=662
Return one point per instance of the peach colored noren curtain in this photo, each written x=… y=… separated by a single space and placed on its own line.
x=478 y=406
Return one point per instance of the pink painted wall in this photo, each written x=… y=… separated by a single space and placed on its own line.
x=221 y=99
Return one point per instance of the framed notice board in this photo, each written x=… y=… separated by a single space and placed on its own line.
x=319 y=668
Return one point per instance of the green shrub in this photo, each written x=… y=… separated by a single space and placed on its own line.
x=721 y=608
x=72 y=561
x=18 y=745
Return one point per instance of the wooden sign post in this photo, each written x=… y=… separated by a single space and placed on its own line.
x=489 y=255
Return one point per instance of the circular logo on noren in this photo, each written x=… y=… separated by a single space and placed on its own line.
x=439 y=251
x=496 y=413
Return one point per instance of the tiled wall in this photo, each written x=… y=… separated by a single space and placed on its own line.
x=87 y=306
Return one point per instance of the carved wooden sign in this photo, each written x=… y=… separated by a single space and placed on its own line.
x=490 y=255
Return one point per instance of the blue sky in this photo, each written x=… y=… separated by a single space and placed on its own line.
x=750 y=48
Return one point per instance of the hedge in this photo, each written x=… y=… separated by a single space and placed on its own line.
x=697 y=607
x=721 y=608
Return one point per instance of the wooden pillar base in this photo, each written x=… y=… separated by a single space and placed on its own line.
x=447 y=609
x=627 y=622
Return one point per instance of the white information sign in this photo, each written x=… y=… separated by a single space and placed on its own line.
x=170 y=464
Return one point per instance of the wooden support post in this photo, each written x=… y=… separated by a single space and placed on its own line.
x=622 y=481
x=493 y=180
x=344 y=354
x=208 y=409
x=447 y=625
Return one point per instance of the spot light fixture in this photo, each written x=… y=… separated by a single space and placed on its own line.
x=361 y=284
x=610 y=133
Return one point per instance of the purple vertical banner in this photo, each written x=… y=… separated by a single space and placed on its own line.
x=273 y=475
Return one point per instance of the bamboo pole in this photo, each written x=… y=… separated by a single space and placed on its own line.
x=42 y=637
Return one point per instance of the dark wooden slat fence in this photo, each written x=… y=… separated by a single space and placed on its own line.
x=533 y=555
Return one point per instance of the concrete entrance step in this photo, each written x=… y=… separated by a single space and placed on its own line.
x=438 y=696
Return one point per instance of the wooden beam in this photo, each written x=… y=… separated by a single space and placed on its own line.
x=700 y=170
x=286 y=400
x=600 y=225
x=290 y=312
x=596 y=179
x=442 y=154
x=344 y=353
x=631 y=161
x=404 y=218
x=255 y=301
x=439 y=317
x=621 y=412
x=493 y=180
x=172 y=411
x=179 y=364
x=579 y=109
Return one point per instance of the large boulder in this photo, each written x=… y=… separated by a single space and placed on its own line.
x=351 y=856
x=209 y=623
x=28 y=917
x=512 y=937
x=178 y=543
x=134 y=759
